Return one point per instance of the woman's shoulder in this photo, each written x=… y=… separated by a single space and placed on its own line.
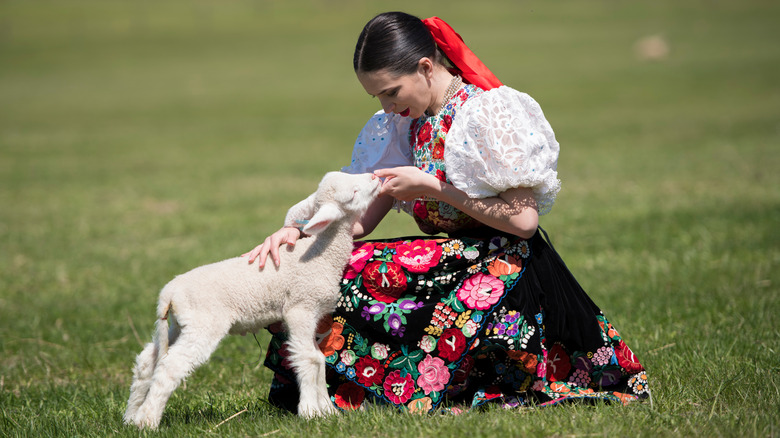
x=503 y=95
x=502 y=109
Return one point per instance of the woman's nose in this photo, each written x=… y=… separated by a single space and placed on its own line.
x=387 y=106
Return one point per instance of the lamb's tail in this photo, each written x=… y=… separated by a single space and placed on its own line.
x=161 y=333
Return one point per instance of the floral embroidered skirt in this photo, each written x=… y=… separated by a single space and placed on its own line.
x=454 y=323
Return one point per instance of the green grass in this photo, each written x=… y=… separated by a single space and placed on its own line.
x=141 y=139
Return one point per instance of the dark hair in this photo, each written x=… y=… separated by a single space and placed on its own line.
x=394 y=41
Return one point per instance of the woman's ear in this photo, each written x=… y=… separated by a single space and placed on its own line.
x=425 y=67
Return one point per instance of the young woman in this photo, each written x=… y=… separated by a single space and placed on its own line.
x=488 y=313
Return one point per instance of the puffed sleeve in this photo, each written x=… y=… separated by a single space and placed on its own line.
x=500 y=140
x=383 y=142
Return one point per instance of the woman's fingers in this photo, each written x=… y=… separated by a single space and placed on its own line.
x=271 y=246
x=253 y=253
x=406 y=183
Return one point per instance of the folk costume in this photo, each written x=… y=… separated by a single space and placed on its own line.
x=474 y=314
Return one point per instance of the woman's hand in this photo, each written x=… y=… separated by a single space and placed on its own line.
x=514 y=210
x=406 y=183
x=288 y=235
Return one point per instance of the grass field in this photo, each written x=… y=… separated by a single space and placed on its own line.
x=140 y=139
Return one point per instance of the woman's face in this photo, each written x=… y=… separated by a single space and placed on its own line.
x=408 y=95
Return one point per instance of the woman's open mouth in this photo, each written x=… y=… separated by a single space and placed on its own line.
x=405 y=113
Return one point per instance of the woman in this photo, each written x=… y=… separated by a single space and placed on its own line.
x=488 y=313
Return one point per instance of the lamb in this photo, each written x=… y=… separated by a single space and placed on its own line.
x=233 y=297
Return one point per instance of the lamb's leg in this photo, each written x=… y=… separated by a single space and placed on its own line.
x=142 y=380
x=146 y=363
x=193 y=347
x=326 y=406
x=309 y=364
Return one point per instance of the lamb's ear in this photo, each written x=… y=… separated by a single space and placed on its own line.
x=323 y=218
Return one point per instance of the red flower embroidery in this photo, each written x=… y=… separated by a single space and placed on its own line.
x=349 y=396
x=418 y=255
x=441 y=175
x=385 y=281
x=626 y=359
x=357 y=261
x=438 y=149
x=463 y=370
x=451 y=344
x=398 y=389
x=284 y=353
x=369 y=371
x=424 y=136
x=446 y=123
x=558 y=364
x=420 y=210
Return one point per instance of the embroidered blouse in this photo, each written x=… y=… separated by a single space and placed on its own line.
x=495 y=140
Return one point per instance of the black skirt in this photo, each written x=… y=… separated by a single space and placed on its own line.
x=452 y=323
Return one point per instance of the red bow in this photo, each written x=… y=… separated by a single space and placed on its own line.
x=471 y=68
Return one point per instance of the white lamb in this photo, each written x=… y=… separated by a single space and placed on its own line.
x=234 y=297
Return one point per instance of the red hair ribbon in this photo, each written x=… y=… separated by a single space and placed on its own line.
x=471 y=68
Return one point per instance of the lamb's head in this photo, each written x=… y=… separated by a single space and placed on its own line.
x=342 y=195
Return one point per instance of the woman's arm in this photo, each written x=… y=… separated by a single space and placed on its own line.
x=375 y=213
x=513 y=211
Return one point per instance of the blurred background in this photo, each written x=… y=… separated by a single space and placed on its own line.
x=140 y=139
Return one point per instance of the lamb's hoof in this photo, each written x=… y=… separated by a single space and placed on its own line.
x=327 y=408
x=147 y=423
x=310 y=412
x=144 y=421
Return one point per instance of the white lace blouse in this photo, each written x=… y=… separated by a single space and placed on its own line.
x=499 y=140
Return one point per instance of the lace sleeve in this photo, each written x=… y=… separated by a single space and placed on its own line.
x=501 y=140
x=382 y=143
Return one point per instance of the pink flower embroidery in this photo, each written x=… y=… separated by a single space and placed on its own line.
x=418 y=255
x=398 y=389
x=434 y=375
x=481 y=291
x=358 y=260
x=541 y=369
